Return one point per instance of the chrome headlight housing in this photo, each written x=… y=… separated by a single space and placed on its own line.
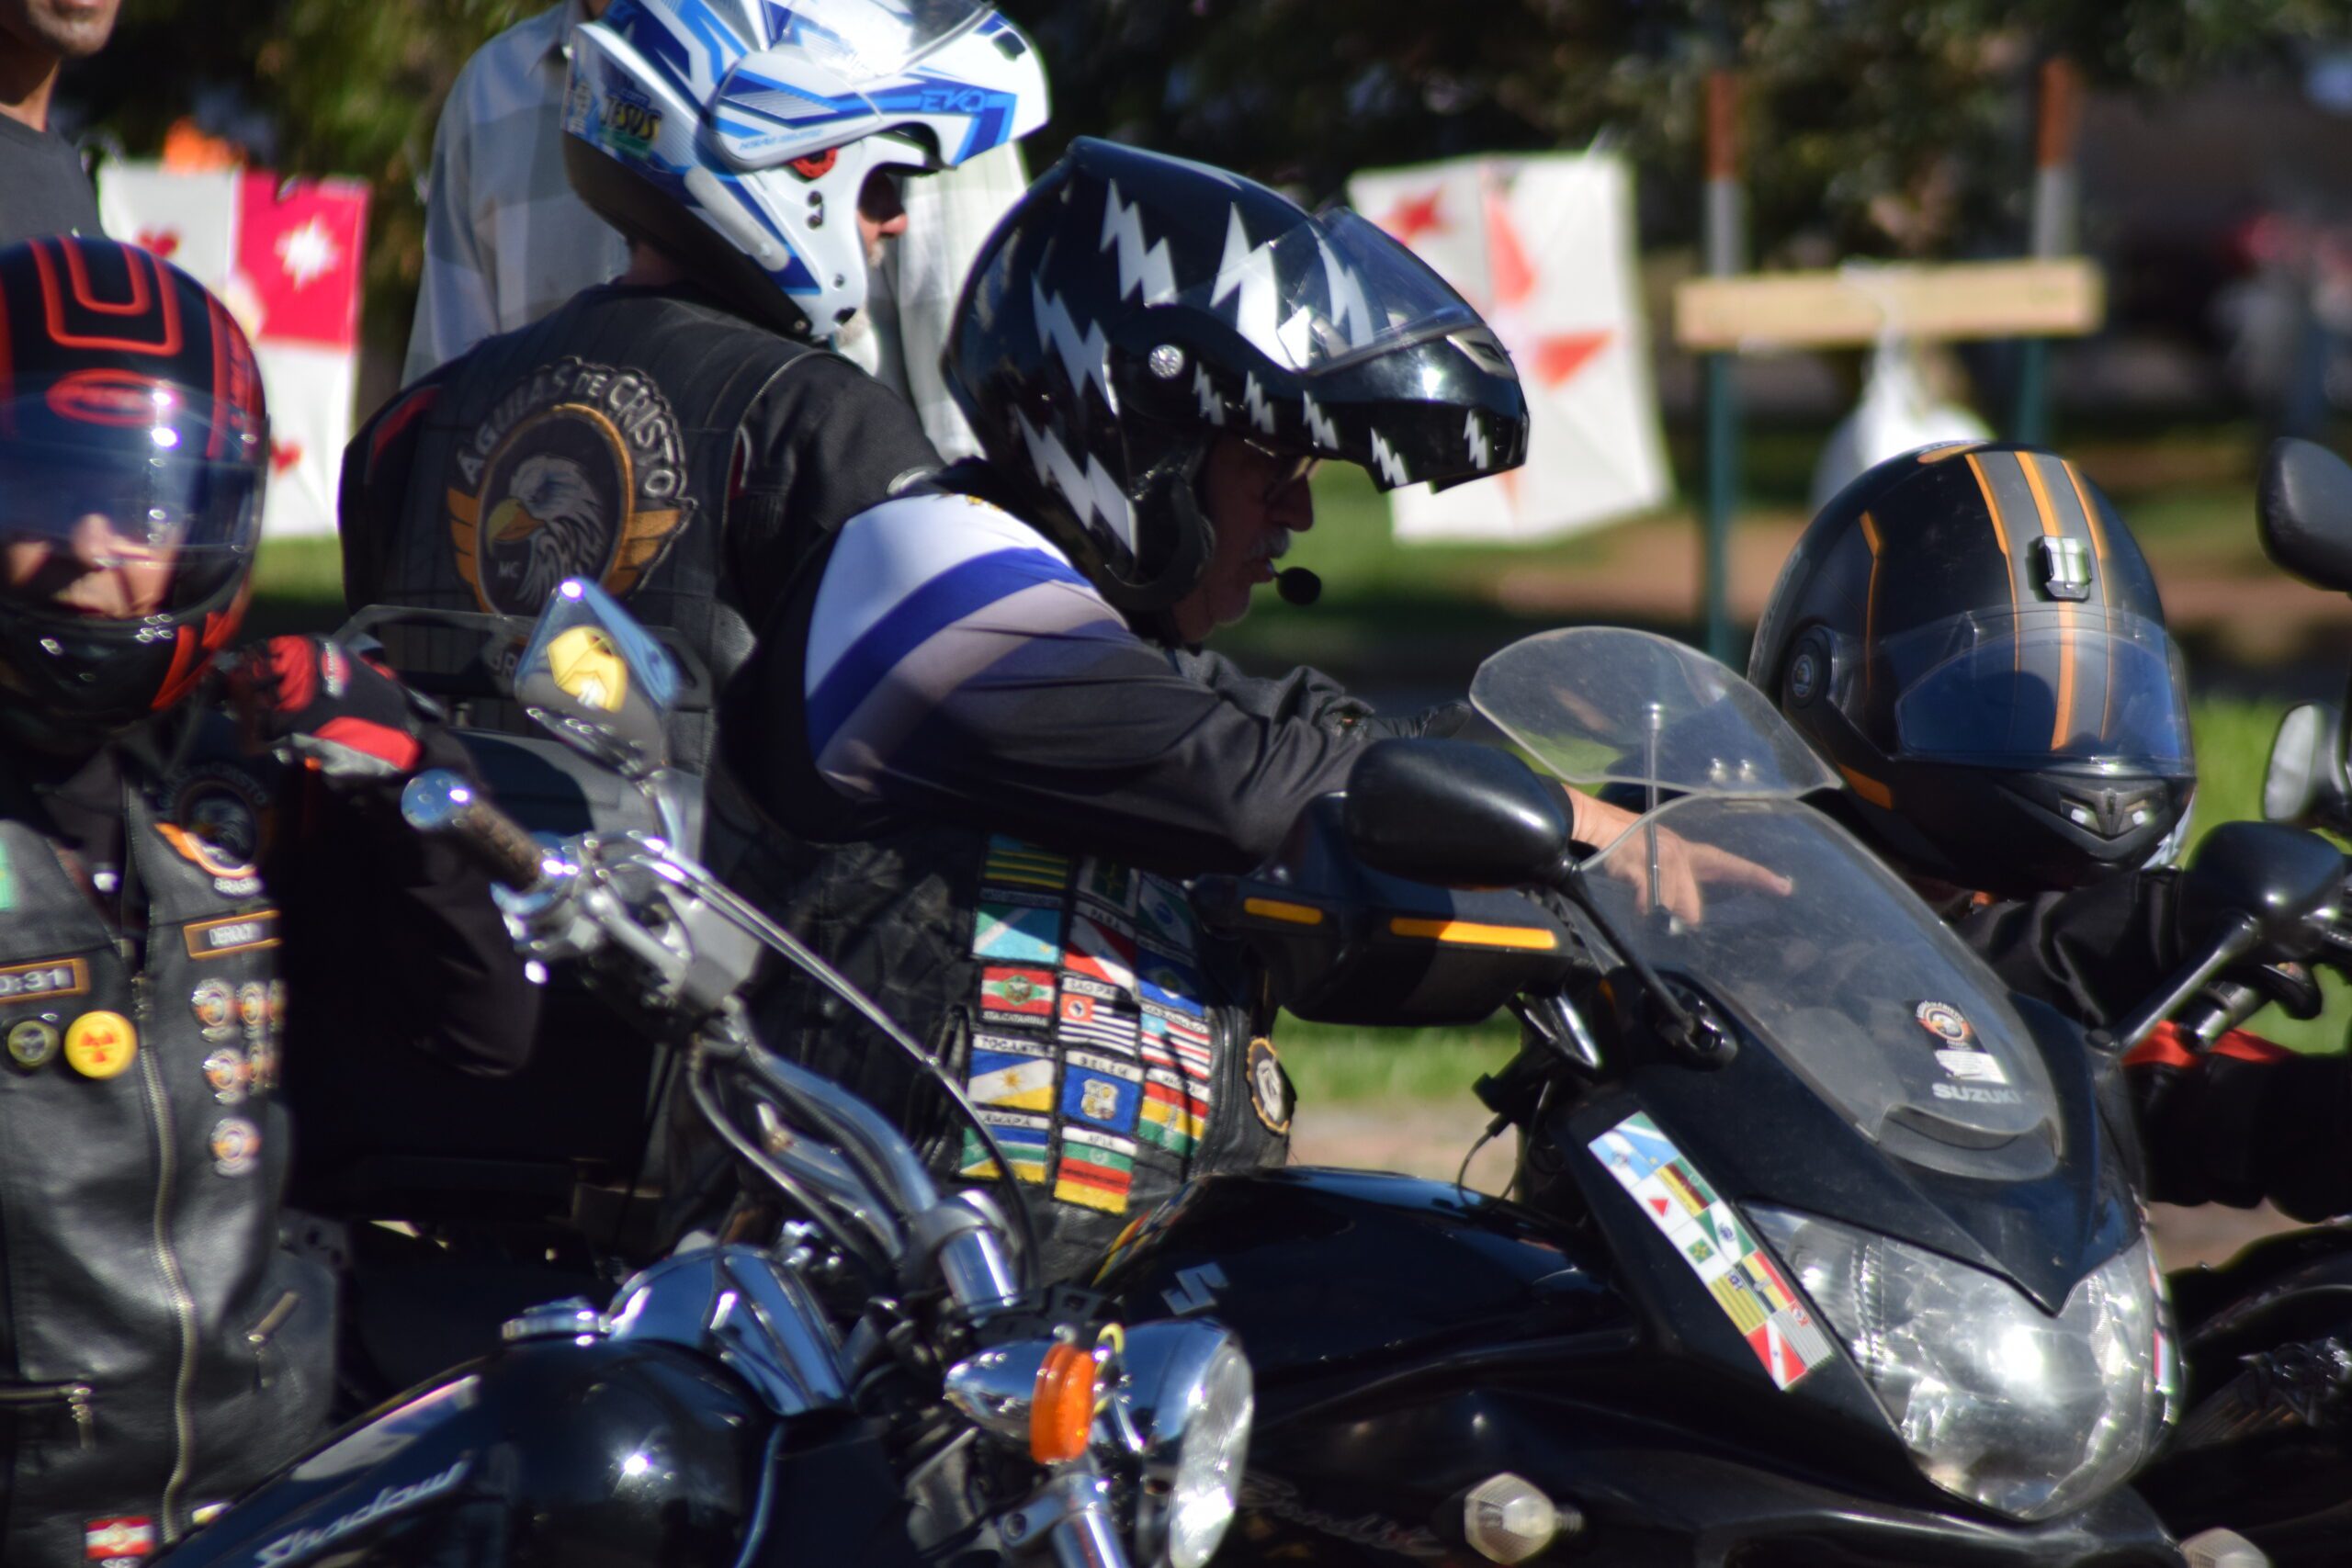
x=1183 y=1406
x=1997 y=1401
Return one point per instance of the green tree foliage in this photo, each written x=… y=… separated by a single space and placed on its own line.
x=1873 y=127
x=1879 y=127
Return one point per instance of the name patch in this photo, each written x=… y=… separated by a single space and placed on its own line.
x=46 y=977
x=236 y=933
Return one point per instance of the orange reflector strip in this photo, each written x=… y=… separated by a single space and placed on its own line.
x=1061 y=1416
x=1869 y=788
x=1471 y=933
x=1275 y=909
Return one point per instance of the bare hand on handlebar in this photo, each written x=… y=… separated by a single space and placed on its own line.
x=1683 y=867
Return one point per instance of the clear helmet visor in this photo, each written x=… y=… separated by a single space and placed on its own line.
x=1331 y=290
x=2064 y=683
x=125 y=521
x=877 y=38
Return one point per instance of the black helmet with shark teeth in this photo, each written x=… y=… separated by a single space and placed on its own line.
x=1134 y=306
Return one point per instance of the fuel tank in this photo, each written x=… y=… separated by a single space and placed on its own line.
x=562 y=1452
x=1413 y=1341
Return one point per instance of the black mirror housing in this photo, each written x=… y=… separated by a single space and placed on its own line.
x=2303 y=511
x=1456 y=814
x=2278 y=877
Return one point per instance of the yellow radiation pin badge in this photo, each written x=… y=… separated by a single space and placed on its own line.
x=589 y=669
x=100 y=1045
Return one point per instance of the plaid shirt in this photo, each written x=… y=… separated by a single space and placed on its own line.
x=506 y=240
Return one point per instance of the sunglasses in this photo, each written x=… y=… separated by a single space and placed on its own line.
x=1284 y=468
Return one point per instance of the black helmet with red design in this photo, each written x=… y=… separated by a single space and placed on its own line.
x=133 y=450
x=1970 y=636
x=1132 y=307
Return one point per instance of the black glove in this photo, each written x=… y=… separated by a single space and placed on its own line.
x=1439 y=723
x=346 y=717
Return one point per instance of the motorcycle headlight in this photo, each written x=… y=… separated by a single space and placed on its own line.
x=1183 y=1407
x=1998 y=1402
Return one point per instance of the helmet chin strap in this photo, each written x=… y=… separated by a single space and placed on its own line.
x=1168 y=493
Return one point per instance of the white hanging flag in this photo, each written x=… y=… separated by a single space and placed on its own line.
x=1543 y=247
x=286 y=259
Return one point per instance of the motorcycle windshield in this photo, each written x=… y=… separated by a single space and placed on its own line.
x=1850 y=981
x=1599 y=705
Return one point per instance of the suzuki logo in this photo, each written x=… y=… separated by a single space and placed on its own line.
x=1194 y=1291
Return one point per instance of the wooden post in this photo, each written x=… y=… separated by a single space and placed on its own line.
x=2058 y=112
x=1723 y=228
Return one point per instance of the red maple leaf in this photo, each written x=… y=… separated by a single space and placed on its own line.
x=163 y=242
x=284 y=455
x=1415 y=216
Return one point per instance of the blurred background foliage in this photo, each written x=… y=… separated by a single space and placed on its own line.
x=1895 y=126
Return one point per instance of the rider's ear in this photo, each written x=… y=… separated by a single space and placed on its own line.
x=1812 y=669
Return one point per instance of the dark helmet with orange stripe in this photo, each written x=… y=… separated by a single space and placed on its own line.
x=1971 y=638
x=133 y=450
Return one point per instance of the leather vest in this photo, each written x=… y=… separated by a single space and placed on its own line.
x=1114 y=1048
x=159 y=1350
x=596 y=443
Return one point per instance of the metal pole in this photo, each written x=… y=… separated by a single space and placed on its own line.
x=1725 y=244
x=2057 y=117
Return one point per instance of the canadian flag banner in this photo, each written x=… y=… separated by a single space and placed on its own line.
x=1543 y=247
x=284 y=256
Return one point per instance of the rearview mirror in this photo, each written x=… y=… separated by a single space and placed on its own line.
x=1456 y=814
x=2278 y=877
x=2304 y=512
x=2305 y=782
x=598 y=679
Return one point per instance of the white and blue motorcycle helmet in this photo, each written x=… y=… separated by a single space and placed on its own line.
x=734 y=136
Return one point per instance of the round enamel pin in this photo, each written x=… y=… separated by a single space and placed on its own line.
x=215 y=1006
x=228 y=1072
x=236 y=1145
x=253 y=1005
x=32 y=1045
x=100 y=1045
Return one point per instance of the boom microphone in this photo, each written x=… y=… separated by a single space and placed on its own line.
x=1298 y=586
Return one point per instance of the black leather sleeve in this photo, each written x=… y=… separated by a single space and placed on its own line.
x=397 y=932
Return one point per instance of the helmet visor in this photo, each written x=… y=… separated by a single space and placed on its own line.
x=1331 y=290
x=874 y=39
x=110 y=532
x=2062 y=682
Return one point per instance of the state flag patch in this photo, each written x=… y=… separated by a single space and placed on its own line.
x=1016 y=995
x=1095 y=1170
x=1017 y=933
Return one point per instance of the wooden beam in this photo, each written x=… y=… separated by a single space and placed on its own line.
x=2060 y=297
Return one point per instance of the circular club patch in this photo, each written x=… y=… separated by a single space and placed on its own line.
x=214 y=1003
x=219 y=821
x=100 y=1045
x=1270 y=1090
x=32 y=1045
x=1945 y=1021
x=236 y=1145
x=578 y=471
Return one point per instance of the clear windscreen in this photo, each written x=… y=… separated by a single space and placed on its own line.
x=872 y=38
x=2063 y=682
x=1328 y=291
x=1599 y=705
x=1852 y=981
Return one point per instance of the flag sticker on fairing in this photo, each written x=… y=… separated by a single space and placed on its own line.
x=1715 y=1243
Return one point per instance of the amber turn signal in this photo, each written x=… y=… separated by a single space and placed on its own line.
x=1061 y=1415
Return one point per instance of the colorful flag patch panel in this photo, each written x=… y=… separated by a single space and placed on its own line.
x=1094 y=1036
x=1716 y=1245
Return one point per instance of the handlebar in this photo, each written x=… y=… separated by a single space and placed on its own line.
x=439 y=801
